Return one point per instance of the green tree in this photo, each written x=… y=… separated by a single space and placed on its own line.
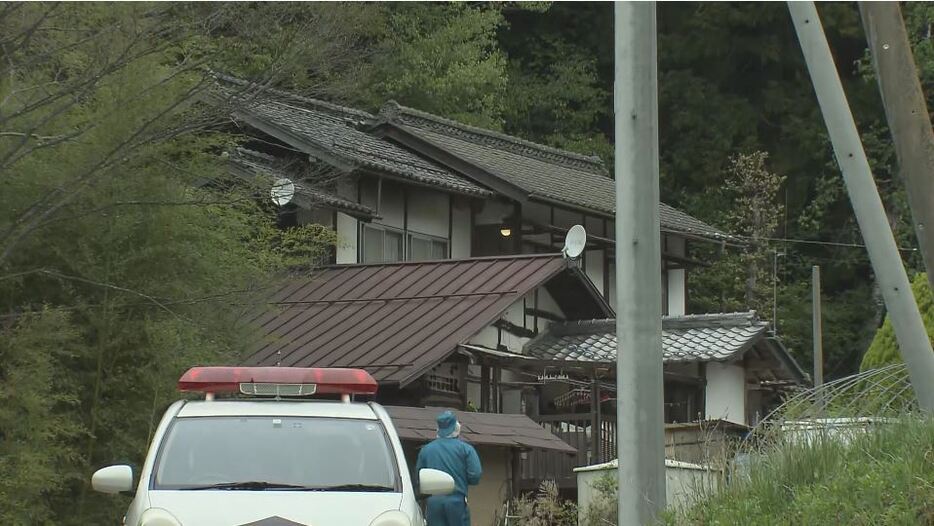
x=118 y=267
x=884 y=348
x=441 y=58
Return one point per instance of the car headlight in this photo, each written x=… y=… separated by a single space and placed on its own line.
x=158 y=517
x=392 y=518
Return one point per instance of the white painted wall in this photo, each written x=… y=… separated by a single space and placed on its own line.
x=593 y=267
x=390 y=203
x=677 y=279
x=346 y=239
x=428 y=211
x=726 y=392
x=684 y=482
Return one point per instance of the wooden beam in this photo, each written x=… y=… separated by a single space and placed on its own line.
x=484 y=388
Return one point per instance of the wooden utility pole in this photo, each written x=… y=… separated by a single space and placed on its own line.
x=641 y=438
x=907 y=114
x=913 y=342
x=816 y=327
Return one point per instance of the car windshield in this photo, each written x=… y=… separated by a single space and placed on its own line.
x=270 y=453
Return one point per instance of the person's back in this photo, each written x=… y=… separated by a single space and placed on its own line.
x=457 y=458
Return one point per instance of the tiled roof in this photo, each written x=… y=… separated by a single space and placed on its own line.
x=542 y=172
x=492 y=429
x=397 y=320
x=694 y=338
x=259 y=164
x=331 y=131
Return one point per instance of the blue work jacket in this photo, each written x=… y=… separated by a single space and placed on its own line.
x=454 y=457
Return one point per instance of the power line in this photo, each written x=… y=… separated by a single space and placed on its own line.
x=815 y=242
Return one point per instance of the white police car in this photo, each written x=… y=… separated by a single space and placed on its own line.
x=277 y=461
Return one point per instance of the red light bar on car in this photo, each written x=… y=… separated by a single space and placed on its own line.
x=276 y=381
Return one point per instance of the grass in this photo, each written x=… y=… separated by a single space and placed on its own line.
x=884 y=476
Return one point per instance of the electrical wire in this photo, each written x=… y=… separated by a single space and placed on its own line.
x=815 y=242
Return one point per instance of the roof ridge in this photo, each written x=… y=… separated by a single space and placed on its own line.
x=326 y=106
x=392 y=111
x=436 y=261
x=668 y=322
x=722 y=319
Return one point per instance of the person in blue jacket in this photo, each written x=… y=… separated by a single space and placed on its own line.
x=457 y=458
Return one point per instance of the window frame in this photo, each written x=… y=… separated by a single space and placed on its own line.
x=407 y=235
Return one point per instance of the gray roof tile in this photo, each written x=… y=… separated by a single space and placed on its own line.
x=544 y=172
x=507 y=430
x=693 y=338
x=332 y=131
x=258 y=164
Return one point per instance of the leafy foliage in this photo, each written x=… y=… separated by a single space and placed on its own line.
x=884 y=348
x=544 y=508
x=443 y=59
x=884 y=476
x=118 y=269
x=604 y=507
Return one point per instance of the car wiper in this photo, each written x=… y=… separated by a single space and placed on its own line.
x=247 y=485
x=352 y=487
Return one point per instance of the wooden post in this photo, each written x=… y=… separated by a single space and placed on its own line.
x=497 y=400
x=907 y=114
x=816 y=327
x=484 y=388
x=596 y=419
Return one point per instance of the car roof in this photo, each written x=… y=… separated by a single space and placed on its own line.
x=318 y=408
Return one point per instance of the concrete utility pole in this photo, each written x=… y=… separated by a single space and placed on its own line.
x=816 y=327
x=641 y=449
x=907 y=114
x=912 y=339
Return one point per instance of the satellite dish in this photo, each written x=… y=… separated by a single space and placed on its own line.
x=574 y=242
x=282 y=191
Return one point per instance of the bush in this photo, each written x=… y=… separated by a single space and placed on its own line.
x=544 y=508
x=602 y=510
x=884 y=476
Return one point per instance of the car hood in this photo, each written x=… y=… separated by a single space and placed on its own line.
x=268 y=508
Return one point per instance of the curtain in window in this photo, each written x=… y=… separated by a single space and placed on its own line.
x=392 y=247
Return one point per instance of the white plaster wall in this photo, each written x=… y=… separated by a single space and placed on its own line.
x=684 y=483
x=726 y=392
x=390 y=206
x=346 y=239
x=460 y=231
x=593 y=267
x=428 y=211
x=677 y=279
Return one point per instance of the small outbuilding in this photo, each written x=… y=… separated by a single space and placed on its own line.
x=500 y=440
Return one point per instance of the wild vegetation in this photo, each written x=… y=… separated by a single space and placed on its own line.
x=124 y=256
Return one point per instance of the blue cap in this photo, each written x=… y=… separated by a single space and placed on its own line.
x=447 y=423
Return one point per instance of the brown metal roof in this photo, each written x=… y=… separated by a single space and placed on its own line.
x=398 y=320
x=513 y=431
